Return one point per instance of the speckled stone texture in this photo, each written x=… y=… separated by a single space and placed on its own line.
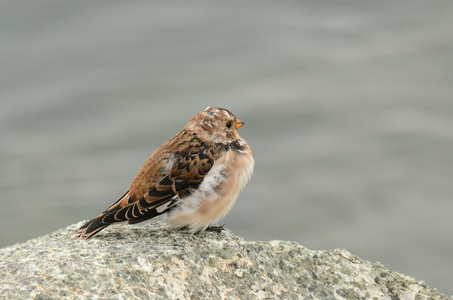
x=155 y=262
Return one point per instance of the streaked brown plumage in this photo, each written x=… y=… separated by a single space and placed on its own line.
x=194 y=178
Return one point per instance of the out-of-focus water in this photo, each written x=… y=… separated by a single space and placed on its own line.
x=348 y=107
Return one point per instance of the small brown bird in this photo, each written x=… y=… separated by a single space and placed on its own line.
x=193 y=179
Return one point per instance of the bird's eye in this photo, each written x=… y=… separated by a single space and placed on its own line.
x=228 y=124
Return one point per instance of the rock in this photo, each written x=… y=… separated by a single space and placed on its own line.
x=156 y=262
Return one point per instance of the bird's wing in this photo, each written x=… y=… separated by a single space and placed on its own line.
x=192 y=163
x=185 y=176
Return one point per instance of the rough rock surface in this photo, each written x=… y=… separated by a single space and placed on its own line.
x=155 y=262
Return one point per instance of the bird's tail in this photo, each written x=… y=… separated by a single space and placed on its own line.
x=92 y=227
x=103 y=220
x=123 y=210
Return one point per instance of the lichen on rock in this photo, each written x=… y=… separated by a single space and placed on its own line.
x=157 y=262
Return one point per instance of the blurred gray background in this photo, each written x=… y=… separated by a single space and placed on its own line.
x=348 y=107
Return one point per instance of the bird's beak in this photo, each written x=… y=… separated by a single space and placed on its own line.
x=239 y=124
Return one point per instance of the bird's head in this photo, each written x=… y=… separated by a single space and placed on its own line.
x=214 y=124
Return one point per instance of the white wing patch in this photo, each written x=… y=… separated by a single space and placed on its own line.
x=160 y=209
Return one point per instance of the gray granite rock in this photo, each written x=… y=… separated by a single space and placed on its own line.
x=155 y=262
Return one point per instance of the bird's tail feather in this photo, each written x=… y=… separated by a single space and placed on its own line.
x=98 y=223
x=116 y=213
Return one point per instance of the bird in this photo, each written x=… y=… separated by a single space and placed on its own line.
x=192 y=180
